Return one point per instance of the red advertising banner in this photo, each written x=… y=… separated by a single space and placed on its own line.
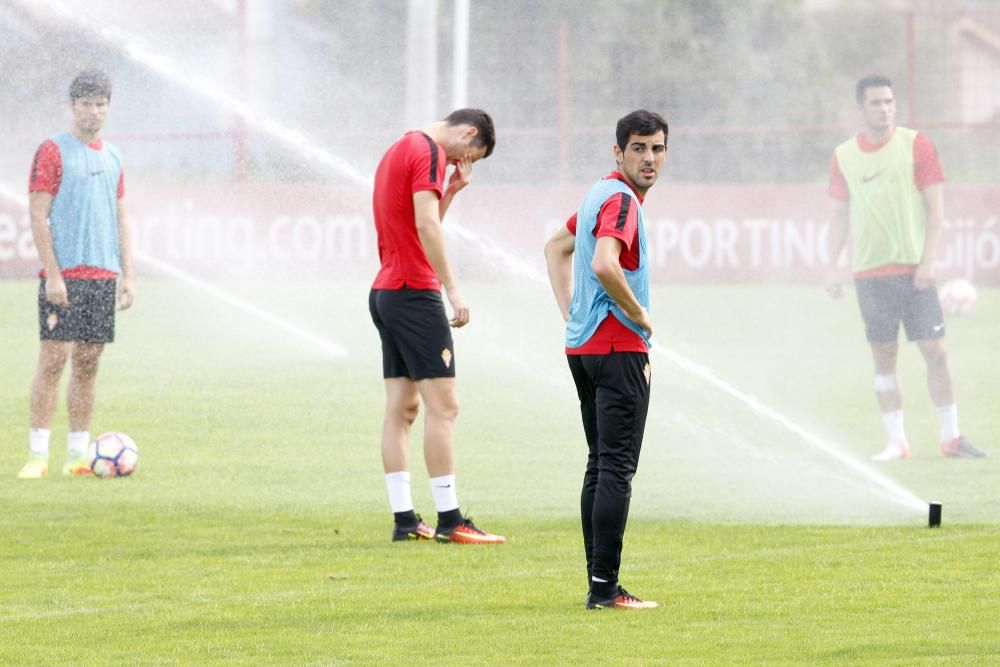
x=697 y=233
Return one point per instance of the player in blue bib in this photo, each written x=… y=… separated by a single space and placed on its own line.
x=599 y=270
x=82 y=235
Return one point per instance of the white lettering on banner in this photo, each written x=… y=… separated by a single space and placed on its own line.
x=822 y=253
x=764 y=244
x=311 y=238
x=696 y=243
x=307 y=238
x=241 y=245
x=8 y=235
x=190 y=238
x=274 y=233
x=708 y=234
x=16 y=242
x=727 y=235
x=729 y=243
x=988 y=246
x=665 y=236
x=756 y=228
x=970 y=246
x=800 y=242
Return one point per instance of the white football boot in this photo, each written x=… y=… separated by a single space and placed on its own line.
x=894 y=451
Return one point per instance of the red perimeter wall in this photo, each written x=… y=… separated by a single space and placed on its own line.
x=697 y=233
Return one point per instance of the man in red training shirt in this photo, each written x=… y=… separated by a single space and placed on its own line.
x=410 y=200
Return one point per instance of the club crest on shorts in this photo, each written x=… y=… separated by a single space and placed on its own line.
x=52 y=321
x=446 y=357
x=648 y=372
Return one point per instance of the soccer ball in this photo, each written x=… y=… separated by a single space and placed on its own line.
x=113 y=455
x=957 y=296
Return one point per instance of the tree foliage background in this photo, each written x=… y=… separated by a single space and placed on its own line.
x=755 y=91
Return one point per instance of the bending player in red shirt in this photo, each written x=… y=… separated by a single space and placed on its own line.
x=418 y=354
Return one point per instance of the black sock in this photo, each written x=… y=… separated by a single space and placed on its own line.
x=407 y=518
x=603 y=590
x=450 y=519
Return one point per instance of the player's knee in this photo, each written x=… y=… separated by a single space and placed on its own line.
x=410 y=410
x=617 y=471
x=445 y=409
x=51 y=366
x=85 y=366
x=404 y=410
x=618 y=482
x=884 y=384
x=935 y=355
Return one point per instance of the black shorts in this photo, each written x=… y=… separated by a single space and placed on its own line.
x=89 y=317
x=885 y=301
x=416 y=336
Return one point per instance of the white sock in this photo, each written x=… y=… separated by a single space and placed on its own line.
x=38 y=442
x=444 y=493
x=893 y=422
x=948 y=422
x=398 y=484
x=77 y=444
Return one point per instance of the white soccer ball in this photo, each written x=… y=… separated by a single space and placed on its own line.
x=957 y=296
x=113 y=455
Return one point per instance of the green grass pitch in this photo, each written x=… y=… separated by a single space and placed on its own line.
x=256 y=530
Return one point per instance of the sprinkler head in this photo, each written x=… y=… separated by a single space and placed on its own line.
x=934 y=515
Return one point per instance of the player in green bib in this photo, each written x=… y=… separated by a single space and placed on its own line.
x=887 y=183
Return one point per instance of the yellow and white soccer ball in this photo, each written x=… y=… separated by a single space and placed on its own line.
x=957 y=296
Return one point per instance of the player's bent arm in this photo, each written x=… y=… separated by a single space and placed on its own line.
x=608 y=270
x=126 y=286
x=559 y=260
x=934 y=201
x=425 y=209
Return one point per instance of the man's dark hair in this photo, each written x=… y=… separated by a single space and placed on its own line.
x=641 y=122
x=479 y=119
x=90 y=83
x=871 y=81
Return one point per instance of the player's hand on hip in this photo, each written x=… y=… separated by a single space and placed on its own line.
x=126 y=294
x=643 y=321
x=924 y=276
x=459 y=309
x=55 y=291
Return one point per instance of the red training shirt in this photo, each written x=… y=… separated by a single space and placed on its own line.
x=412 y=164
x=611 y=335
